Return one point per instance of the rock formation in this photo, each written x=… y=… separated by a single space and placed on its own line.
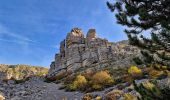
x=91 y=34
x=77 y=52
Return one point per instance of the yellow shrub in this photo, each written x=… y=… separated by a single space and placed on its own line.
x=113 y=95
x=79 y=82
x=168 y=73
x=164 y=67
x=155 y=73
x=103 y=78
x=87 y=97
x=129 y=96
x=148 y=85
x=97 y=86
x=71 y=87
x=98 y=98
x=133 y=70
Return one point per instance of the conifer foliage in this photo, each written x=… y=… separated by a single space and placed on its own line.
x=150 y=17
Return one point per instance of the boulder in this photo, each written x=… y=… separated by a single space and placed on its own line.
x=2 y=96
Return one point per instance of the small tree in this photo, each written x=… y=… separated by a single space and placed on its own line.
x=146 y=16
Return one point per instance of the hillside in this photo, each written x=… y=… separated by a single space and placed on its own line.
x=112 y=71
x=19 y=72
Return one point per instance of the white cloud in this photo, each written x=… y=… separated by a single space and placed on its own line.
x=21 y=39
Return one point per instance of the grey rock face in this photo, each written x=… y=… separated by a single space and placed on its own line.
x=77 y=51
x=91 y=34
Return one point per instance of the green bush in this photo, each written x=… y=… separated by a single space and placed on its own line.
x=149 y=91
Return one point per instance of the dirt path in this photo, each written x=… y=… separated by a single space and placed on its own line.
x=52 y=92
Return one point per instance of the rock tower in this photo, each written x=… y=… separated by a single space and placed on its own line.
x=79 y=52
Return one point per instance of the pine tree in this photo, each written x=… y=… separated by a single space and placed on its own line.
x=147 y=25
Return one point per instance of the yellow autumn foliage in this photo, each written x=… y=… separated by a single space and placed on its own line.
x=87 y=97
x=79 y=82
x=114 y=94
x=134 y=70
x=148 y=85
x=129 y=96
x=98 y=98
x=102 y=77
x=155 y=73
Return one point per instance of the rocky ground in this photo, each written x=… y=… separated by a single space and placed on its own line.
x=36 y=89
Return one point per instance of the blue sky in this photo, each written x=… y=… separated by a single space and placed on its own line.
x=31 y=30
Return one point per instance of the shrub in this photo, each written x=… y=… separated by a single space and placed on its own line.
x=79 y=83
x=88 y=74
x=101 y=79
x=148 y=85
x=155 y=73
x=164 y=67
x=148 y=91
x=156 y=66
x=71 y=87
x=113 y=95
x=129 y=96
x=97 y=87
x=134 y=71
x=87 y=97
x=98 y=98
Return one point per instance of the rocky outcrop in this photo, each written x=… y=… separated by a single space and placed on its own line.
x=77 y=52
x=91 y=34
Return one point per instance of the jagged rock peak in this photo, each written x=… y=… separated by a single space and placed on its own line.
x=75 y=36
x=76 y=32
x=91 y=34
